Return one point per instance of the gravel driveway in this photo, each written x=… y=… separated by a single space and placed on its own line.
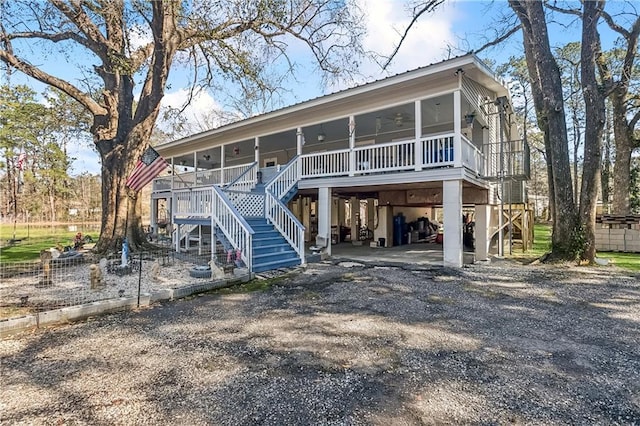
x=345 y=344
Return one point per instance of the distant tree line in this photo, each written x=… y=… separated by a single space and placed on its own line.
x=35 y=182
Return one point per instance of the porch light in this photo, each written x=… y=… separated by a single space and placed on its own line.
x=236 y=150
x=206 y=157
x=321 y=135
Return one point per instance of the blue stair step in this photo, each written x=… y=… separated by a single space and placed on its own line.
x=261 y=267
x=270 y=256
x=272 y=248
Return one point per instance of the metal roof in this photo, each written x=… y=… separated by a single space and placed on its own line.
x=468 y=60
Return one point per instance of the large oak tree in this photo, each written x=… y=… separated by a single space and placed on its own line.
x=546 y=87
x=129 y=48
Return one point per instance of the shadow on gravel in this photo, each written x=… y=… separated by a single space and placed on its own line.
x=362 y=345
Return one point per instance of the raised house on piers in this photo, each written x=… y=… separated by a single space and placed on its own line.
x=428 y=146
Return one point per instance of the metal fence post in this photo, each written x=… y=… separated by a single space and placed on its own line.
x=139 y=277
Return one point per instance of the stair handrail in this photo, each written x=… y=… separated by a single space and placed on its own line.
x=233 y=225
x=285 y=179
x=278 y=214
x=285 y=222
x=241 y=183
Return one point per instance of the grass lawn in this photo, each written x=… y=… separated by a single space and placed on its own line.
x=31 y=241
x=542 y=244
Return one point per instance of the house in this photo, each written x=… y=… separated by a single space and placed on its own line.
x=439 y=141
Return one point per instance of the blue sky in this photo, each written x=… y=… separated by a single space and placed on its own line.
x=457 y=26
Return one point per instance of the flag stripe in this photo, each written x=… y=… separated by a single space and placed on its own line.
x=21 y=159
x=145 y=173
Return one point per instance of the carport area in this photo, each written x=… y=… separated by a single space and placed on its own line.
x=416 y=254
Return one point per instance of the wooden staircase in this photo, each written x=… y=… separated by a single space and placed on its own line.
x=270 y=249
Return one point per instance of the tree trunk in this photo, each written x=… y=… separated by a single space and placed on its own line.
x=624 y=147
x=576 y=179
x=605 y=174
x=546 y=86
x=594 y=125
x=552 y=193
x=122 y=218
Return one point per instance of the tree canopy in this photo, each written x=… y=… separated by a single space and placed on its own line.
x=128 y=49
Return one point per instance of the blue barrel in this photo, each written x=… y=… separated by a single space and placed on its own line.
x=398 y=229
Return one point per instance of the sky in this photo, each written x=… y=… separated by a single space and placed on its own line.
x=465 y=24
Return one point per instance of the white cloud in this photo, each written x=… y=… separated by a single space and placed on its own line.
x=426 y=42
x=199 y=109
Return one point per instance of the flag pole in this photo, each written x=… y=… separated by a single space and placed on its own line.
x=16 y=189
x=173 y=171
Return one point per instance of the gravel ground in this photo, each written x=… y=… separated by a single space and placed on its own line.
x=348 y=344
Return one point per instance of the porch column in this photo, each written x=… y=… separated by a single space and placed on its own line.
x=452 y=211
x=299 y=141
x=371 y=213
x=153 y=223
x=486 y=165
x=323 y=210
x=173 y=173
x=482 y=231
x=419 y=156
x=214 y=243
x=222 y=159
x=299 y=144
x=457 y=128
x=306 y=218
x=256 y=149
x=352 y=144
x=355 y=210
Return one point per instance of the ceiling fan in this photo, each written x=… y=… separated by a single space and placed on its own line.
x=400 y=119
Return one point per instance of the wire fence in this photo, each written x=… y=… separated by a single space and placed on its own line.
x=74 y=278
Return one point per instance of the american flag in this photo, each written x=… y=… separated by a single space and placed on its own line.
x=21 y=159
x=148 y=167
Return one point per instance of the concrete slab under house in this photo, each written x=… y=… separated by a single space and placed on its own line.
x=430 y=156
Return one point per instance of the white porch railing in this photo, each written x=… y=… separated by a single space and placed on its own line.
x=286 y=223
x=197 y=202
x=285 y=179
x=434 y=151
x=240 y=175
x=278 y=214
x=393 y=156
x=437 y=151
x=208 y=177
x=212 y=202
x=246 y=180
x=323 y=164
x=472 y=157
x=237 y=231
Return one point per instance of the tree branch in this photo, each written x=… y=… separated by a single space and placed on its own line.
x=555 y=8
x=428 y=7
x=615 y=27
x=498 y=40
x=49 y=79
x=634 y=120
x=54 y=37
x=95 y=40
